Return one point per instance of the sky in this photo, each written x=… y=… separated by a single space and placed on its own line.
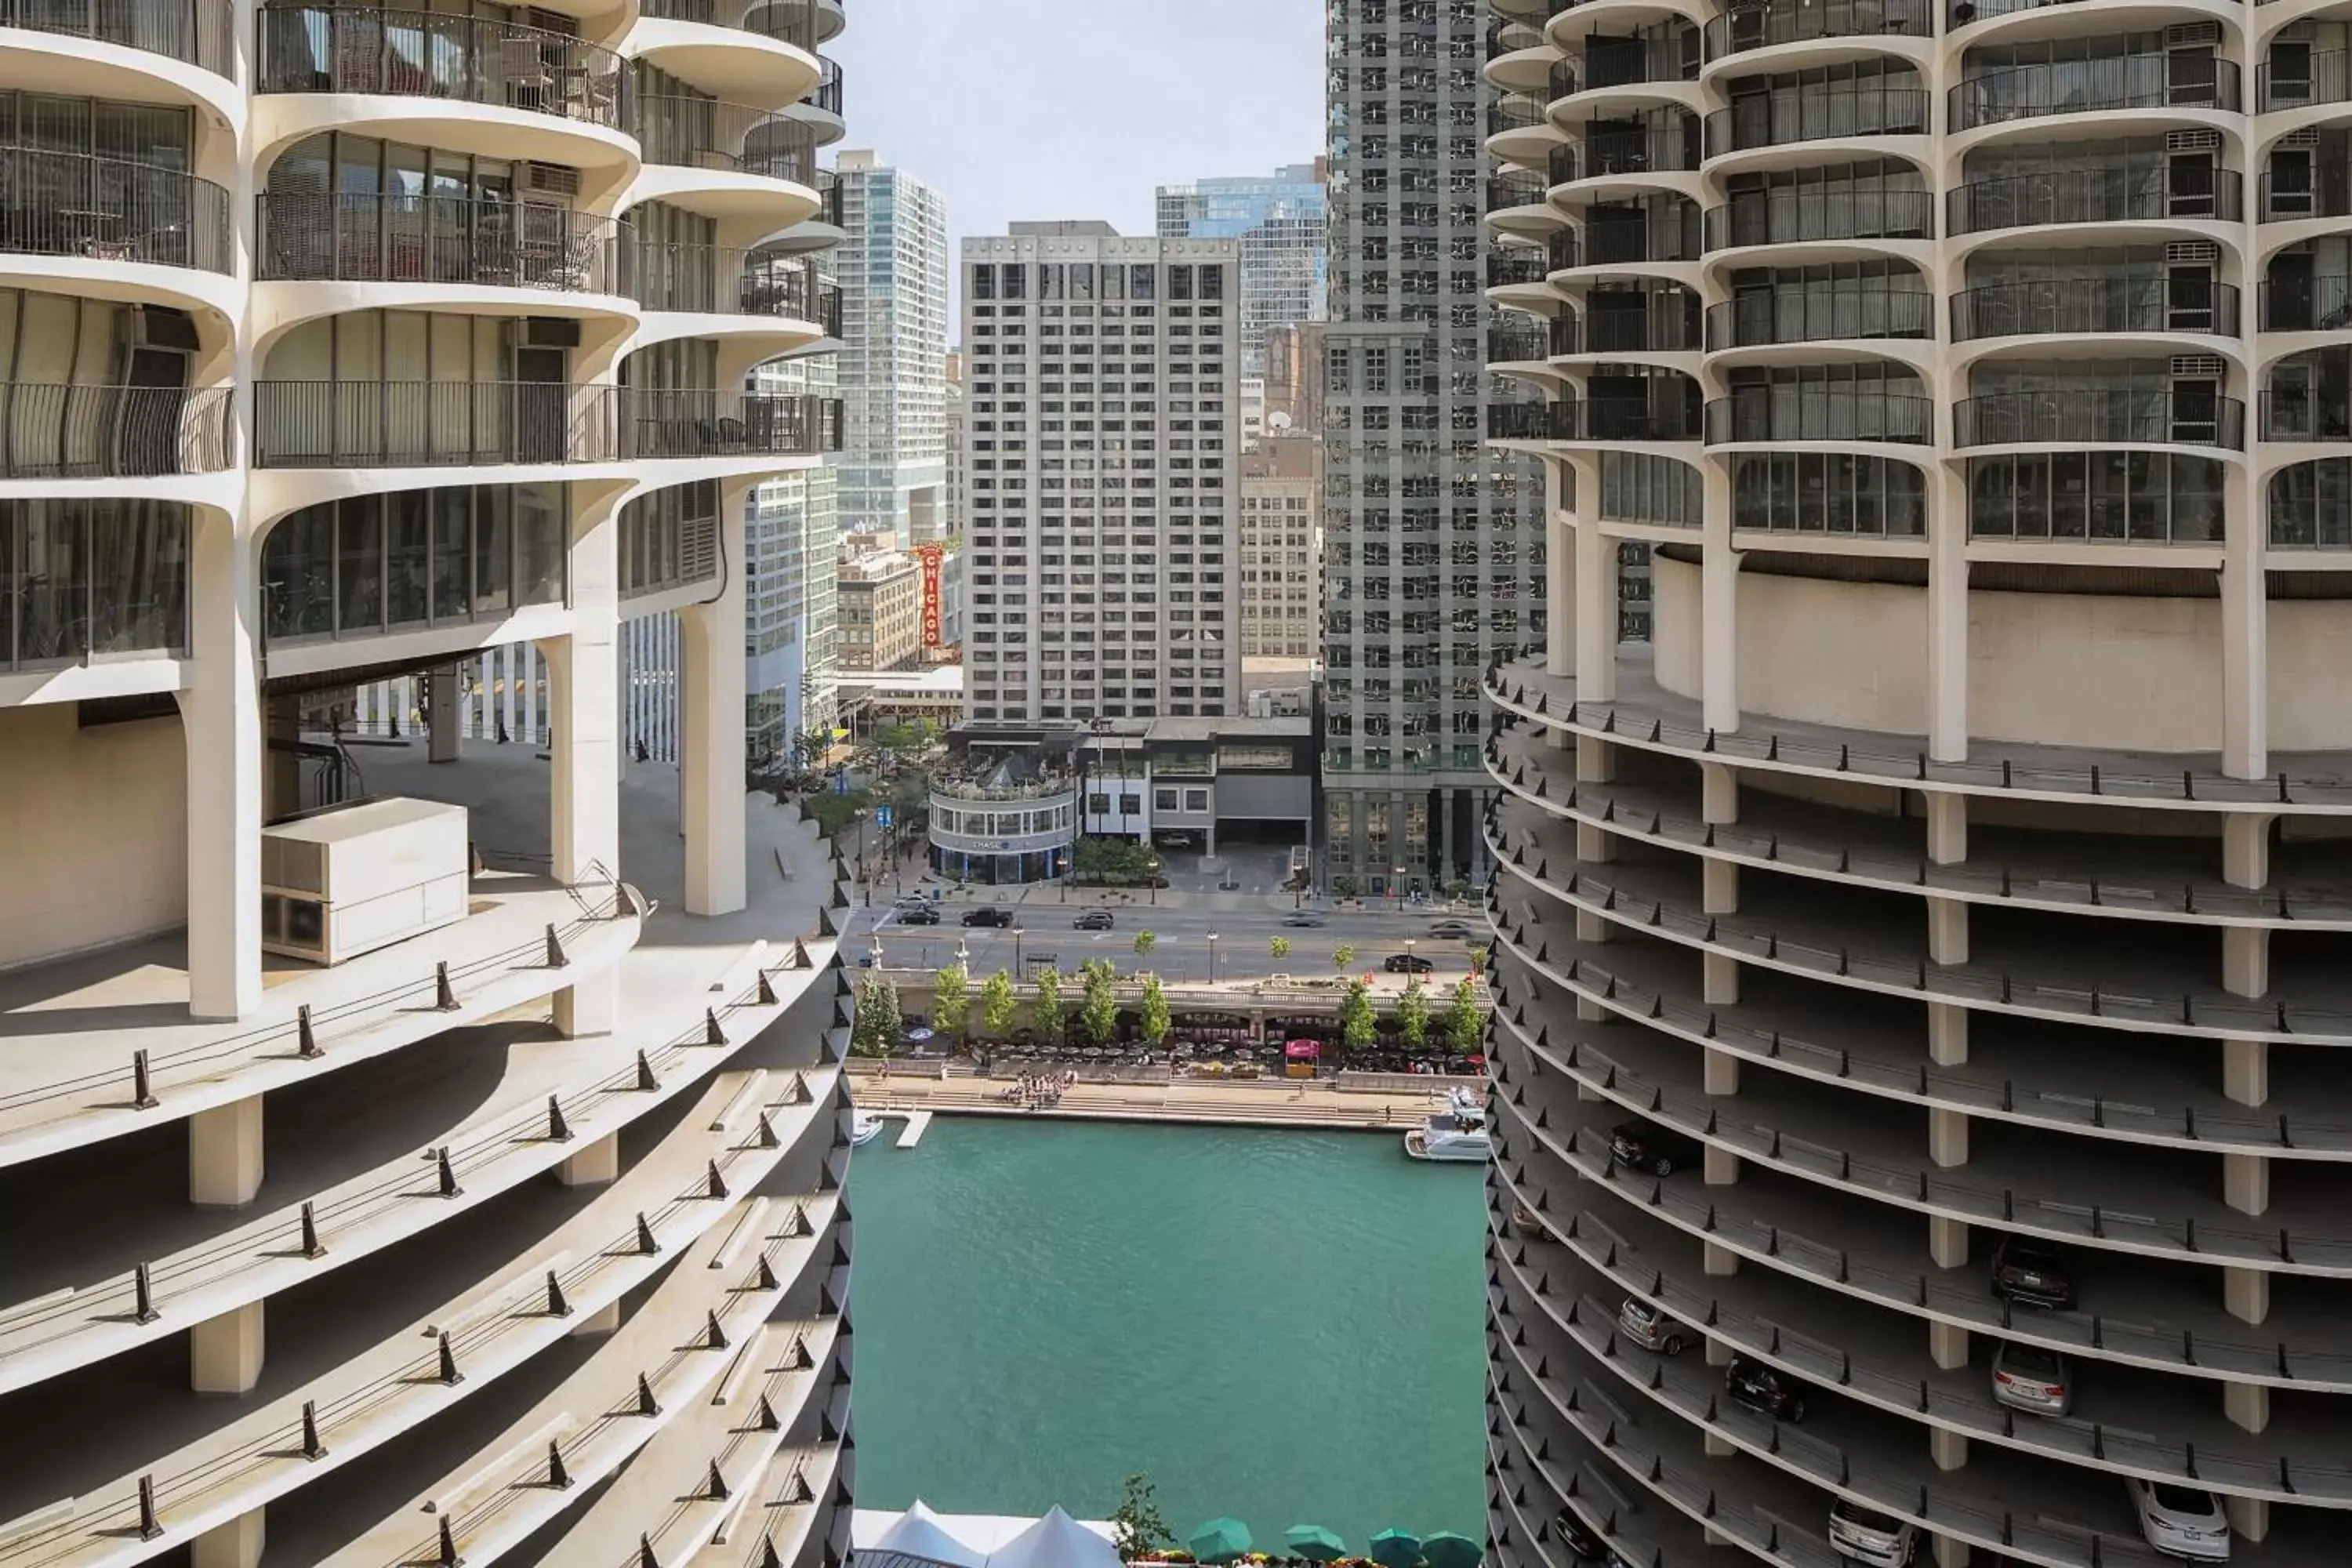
x=1079 y=108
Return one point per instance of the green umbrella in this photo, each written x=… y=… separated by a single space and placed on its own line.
x=1220 y=1540
x=1447 y=1550
x=1396 y=1548
x=1314 y=1543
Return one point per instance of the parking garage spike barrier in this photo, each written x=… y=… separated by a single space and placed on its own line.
x=445 y=1173
x=646 y=1404
x=555 y=958
x=446 y=1545
x=447 y=1359
x=307 y=1050
x=150 y=1526
x=558 y=1131
x=142 y=1087
x=143 y=1296
x=649 y=1245
x=310 y=1247
x=444 y=996
x=646 y=1082
x=645 y=1558
x=313 y=1448
x=712 y=1035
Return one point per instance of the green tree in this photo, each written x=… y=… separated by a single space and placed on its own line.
x=1343 y=955
x=876 y=1029
x=1360 y=1030
x=1046 y=1008
x=1143 y=943
x=1464 y=1021
x=1156 y=1019
x=1098 y=1013
x=951 y=1001
x=1277 y=948
x=1343 y=887
x=1135 y=1527
x=996 y=1005
x=1412 y=1014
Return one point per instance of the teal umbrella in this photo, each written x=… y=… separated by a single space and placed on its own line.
x=1314 y=1543
x=1220 y=1540
x=1447 y=1550
x=1396 y=1548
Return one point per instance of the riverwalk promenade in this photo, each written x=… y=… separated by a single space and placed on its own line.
x=1396 y=1106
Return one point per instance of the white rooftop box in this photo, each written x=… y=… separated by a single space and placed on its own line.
x=348 y=879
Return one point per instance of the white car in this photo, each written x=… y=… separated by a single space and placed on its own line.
x=1865 y=1535
x=2180 y=1522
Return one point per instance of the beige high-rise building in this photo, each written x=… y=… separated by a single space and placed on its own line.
x=1282 y=550
x=423 y=1151
x=881 y=611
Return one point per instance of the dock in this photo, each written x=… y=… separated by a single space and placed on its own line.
x=1274 y=1103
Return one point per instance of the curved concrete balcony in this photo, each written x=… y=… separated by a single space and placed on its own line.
x=2146 y=88
x=734 y=161
x=1828 y=417
x=2119 y=314
x=727 y=292
x=114 y=229
x=139 y=52
x=707 y=47
x=723 y=427
x=1831 y=226
x=1780 y=318
x=1779 y=35
x=1575 y=422
x=1784 y=129
x=1603 y=163
x=2091 y=414
x=2152 y=202
x=50 y=432
x=1647 y=716
x=416 y=424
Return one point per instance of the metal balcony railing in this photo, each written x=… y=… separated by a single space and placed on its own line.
x=2153 y=193
x=51 y=431
x=1625 y=331
x=200 y=32
x=1756 y=26
x=2093 y=86
x=1514 y=111
x=110 y=209
x=799 y=23
x=1779 y=119
x=696 y=422
x=719 y=279
x=1607 y=154
x=421 y=54
x=428 y=424
x=1794 y=316
x=406 y=237
x=1606 y=419
x=828 y=191
x=2324 y=77
x=1822 y=413
x=2284 y=198
x=2088 y=413
x=1505 y=36
x=705 y=134
x=2320 y=303
x=2152 y=303
x=1810 y=213
x=1509 y=344
x=1515 y=264
x=1656 y=237
x=826 y=95
x=1514 y=190
x=1563 y=80
x=2303 y=415
x=1619 y=65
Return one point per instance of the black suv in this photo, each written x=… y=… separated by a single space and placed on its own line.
x=1408 y=964
x=988 y=917
x=1093 y=920
x=1646 y=1146
x=919 y=917
x=2038 y=1273
x=1766 y=1388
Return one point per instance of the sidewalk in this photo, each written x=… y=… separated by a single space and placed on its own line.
x=1277 y=1104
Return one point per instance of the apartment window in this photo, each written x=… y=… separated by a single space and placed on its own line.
x=442 y=556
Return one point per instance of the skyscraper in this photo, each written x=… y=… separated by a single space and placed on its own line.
x=1433 y=543
x=1282 y=224
x=894 y=308
x=1104 y=414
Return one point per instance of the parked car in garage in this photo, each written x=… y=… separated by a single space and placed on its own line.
x=2029 y=1377
x=1866 y=1535
x=1650 y=1326
x=2180 y=1522
x=1659 y=1151
x=2038 y=1273
x=1761 y=1387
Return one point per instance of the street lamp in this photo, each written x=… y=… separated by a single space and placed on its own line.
x=876 y=954
x=1213 y=958
x=1151 y=876
x=963 y=958
x=1397 y=887
x=860 y=815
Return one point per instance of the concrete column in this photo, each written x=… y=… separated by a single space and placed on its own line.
x=1947 y=1137
x=2246 y=1071
x=1950 y=1553
x=1591 y=925
x=1948 y=931
x=1718 y=1352
x=225 y=1154
x=2246 y=1293
x=2246 y=1183
x=1948 y=618
x=1722 y=1072
x=711 y=734
x=1595 y=845
x=1718 y=784
x=224 y=1353
x=441 y=715
x=2249 y=1516
x=583 y=688
x=593 y=1166
x=1719 y=974
x=221 y=726
x=1718 y=1447
x=1720 y=1262
x=1560 y=601
x=1722 y=1167
x=1948 y=1033
x=1718 y=605
x=590 y=1006
x=1948 y=1241
x=236 y=1545
x=2248 y=1404
x=1949 y=1343
x=1949 y=1449
x=1947 y=827
x=2246 y=850
x=2245 y=960
x=1719 y=887
x=2245 y=633
x=1596 y=759
x=1589 y=1011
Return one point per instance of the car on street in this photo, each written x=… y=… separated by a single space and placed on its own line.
x=2180 y=1522
x=1451 y=931
x=912 y=901
x=1659 y=1151
x=2028 y=1378
x=1866 y=1535
x=1307 y=921
x=988 y=917
x=922 y=915
x=2038 y=1273
x=1650 y=1326
x=1408 y=964
x=1093 y=920
x=1763 y=1387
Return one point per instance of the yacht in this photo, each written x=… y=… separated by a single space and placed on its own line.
x=1456 y=1133
x=865 y=1129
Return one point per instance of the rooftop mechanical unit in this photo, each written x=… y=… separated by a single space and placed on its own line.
x=348 y=879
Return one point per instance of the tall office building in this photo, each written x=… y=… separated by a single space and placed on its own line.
x=1919 y=969
x=1282 y=224
x=1433 y=543
x=1282 y=551
x=433 y=1160
x=894 y=308
x=1104 y=380
x=793 y=540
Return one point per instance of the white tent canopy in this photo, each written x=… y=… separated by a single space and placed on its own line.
x=1056 y=1540
x=918 y=1533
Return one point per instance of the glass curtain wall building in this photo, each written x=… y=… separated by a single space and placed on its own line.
x=1282 y=224
x=894 y=303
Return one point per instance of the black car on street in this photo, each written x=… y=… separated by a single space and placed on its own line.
x=988 y=917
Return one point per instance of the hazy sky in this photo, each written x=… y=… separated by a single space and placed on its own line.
x=1076 y=109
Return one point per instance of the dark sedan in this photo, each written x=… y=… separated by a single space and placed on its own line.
x=988 y=917
x=1660 y=1150
x=1408 y=964
x=1093 y=920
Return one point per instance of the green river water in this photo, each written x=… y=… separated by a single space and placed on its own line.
x=1283 y=1326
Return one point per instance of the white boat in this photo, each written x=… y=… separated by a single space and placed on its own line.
x=865 y=1129
x=1456 y=1134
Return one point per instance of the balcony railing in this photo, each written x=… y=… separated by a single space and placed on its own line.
x=1563 y=80
x=1625 y=331
x=200 y=32
x=1514 y=190
x=1655 y=237
x=109 y=209
x=1618 y=64
x=1606 y=419
x=794 y=22
x=704 y=133
x=1779 y=119
x=1806 y=214
x=1796 y=316
x=2095 y=87
x=2325 y=77
x=1514 y=111
x=2320 y=303
x=1509 y=345
x=403 y=238
x=49 y=431
x=1509 y=38
x=431 y=423
x=1514 y=265
x=722 y=280
x=1822 y=413
x=829 y=192
x=1755 y=26
x=826 y=95
x=420 y=54
x=2303 y=415
x=2283 y=199
x=2155 y=192
x=1606 y=153
x=2091 y=414
x=703 y=423
x=2153 y=303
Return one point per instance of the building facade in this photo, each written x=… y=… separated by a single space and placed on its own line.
x=881 y=600
x=1917 y=968
x=894 y=281
x=1282 y=550
x=345 y=343
x=1281 y=224
x=1433 y=543
x=958 y=504
x=1104 y=376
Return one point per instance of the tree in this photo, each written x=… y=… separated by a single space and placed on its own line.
x=1135 y=1527
x=1343 y=955
x=1343 y=887
x=875 y=1030
x=1359 y=1029
x=1098 y=1013
x=996 y=1005
x=1412 y=1014
x=1045 y=1010
x=1156 y=1021
x=1277 y=948
x=1143 y=943
x=951 y=1001
x=1463 y=1023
